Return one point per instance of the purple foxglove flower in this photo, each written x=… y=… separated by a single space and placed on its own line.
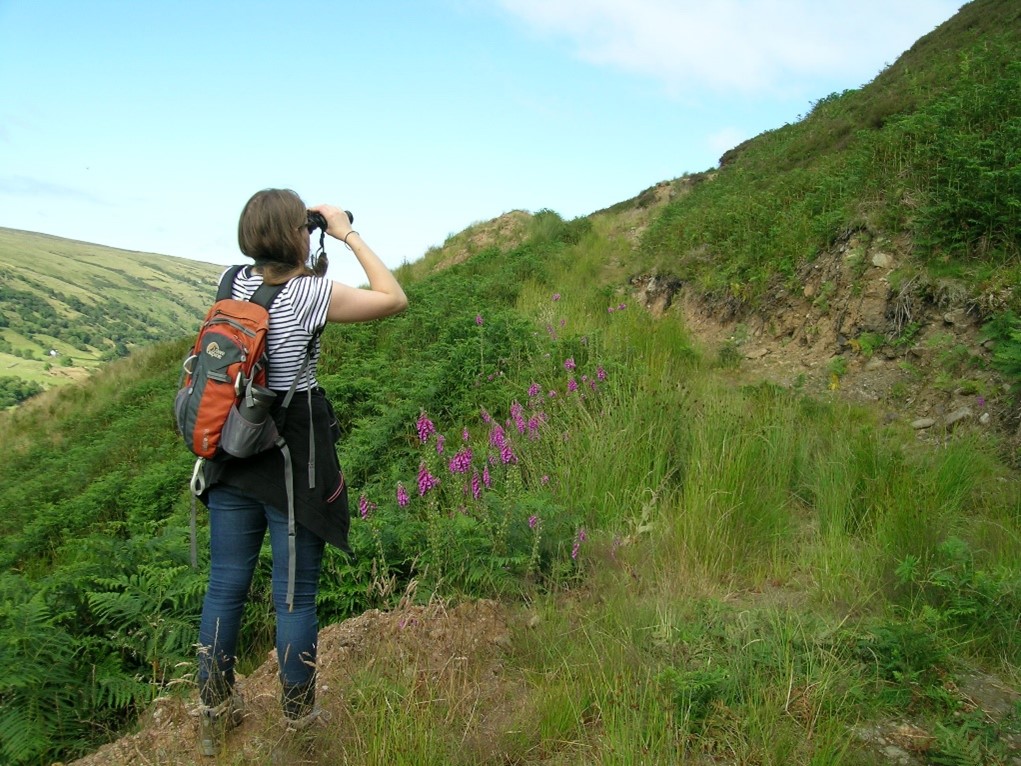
x=402 y=495
x=600 y=373
x=426 y=480
x=425 y=427
x=465 y=435
x=534 y=390
x=517 y=414
x=486 y=478
x=578 y=540
x=476 y=485
x=461 y=462
x=478 y=319
x=569 y=364
x=533 y=522
x=572 y=385
x=533 y=427
x=441 y=440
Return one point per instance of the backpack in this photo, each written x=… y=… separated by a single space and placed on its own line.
x=222 y=406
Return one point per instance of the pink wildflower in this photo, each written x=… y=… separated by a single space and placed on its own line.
x=426 y=480
x=461 y=462
x=364 y=506
x=578 y=540
x=425 y=427
x=506 y=454
x=534 y=390
x=600 y=373
x=533 y=521
x=519 y=418
x=572 y=385
x=478 y=319
x=402 y=495
x=569 y=364
x=533 y=427
x=440 y=441
x=556 y=297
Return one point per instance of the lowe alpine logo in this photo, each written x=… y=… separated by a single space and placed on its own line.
x=214 y=350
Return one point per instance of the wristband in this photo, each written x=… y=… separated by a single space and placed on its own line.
x=348 y=235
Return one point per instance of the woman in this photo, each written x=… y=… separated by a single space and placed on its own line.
x=247 y=497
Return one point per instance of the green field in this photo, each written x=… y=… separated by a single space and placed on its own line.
x=68 y=306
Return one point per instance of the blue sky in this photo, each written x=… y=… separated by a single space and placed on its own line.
x=147 y=125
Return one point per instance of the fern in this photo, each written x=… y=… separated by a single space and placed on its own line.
x=151 y=614
x=38 y=686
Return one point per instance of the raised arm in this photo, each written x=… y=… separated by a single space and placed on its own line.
x=384 y=296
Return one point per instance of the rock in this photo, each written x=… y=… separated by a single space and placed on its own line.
x=957 y=416
x=958 y=318
x=882 y=260
x=984 y=418
x=756 y=353
x=923 y=423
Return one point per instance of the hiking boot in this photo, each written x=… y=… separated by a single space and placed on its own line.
x=299 y=705
x=313 y=716
x=215 y=722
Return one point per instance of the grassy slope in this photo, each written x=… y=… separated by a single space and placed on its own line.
x=162 y=296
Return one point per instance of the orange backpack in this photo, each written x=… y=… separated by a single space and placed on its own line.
x=222 y=405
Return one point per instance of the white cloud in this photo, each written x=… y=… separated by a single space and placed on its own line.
x=736 y=45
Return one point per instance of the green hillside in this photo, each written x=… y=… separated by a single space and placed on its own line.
x=727 y=473
x=66 y=306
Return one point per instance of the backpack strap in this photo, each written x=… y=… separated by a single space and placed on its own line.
x=226 y=285
x=264 y=294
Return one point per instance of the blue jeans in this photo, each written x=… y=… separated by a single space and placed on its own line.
x=237 y=526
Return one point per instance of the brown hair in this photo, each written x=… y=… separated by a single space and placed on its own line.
x=272 y=232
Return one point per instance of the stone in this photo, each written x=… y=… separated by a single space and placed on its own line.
x=958 y=318
x=882 y=260
x=923 y=423
x=957 y=416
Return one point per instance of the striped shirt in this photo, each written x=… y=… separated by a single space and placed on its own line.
x=297 y=313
